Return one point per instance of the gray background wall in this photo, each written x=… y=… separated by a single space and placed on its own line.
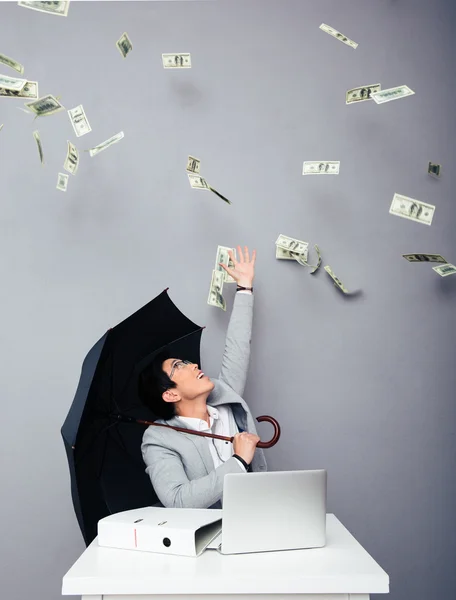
x=363 y=387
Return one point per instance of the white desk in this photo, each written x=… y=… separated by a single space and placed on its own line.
x=342 y=570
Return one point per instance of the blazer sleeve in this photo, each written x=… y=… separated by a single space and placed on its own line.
x=236 y=355
x=170 y=482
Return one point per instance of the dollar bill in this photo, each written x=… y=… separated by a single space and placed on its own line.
x=198 y=182
x=124 y=44
x=79 y=121
x=30 y=90
x=303 y=261
x=71 y=163
x=425 y=258
x=62 y=182
x=12 y=83
x=292 y=245
x=1 y=126
x=223 y=257
x=337 y=282
x=177 y=61
x=360 y=94
x=286 y=255
x=59 y=8
x=412 y=209
x=193 y=165
x=45 y=106
x=445 y=270
x=321 y=167
x=10 y=62
x=215 y=297
x=36 y=135
x=395 y=93
x=434 y=170
x=112 y=140
x=339 y=36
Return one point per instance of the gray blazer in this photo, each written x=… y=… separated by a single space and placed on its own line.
x=180 y=465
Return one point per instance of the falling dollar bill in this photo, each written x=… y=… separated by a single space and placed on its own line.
x=215 y=297
x=79 y=121
x=445 y=270
x=412 y=209
x=286 y=255
x=10 y=62
x=303 y=261
x=425 y=258
x=72 y=159
x=319 y=167
x=292 y=245
x=62 y=182
x=434 y=170
x=124 y=44
x=12 y=83
x=360 y=94
x=112 y=140
x=59 y=8
x=177 y=61
x=1 y=126
x=193 y=165
x=30 y=90
x=223 y=257
x=36 y=135
x=396 y=93
x=337 y=282
x=198 y=182
x=339 y=36
x=47 y=105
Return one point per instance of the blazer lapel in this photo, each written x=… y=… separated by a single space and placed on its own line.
x=198 y=441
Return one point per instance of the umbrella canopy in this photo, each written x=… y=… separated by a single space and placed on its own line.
x=101 y=436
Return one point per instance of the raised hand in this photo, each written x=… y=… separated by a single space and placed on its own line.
x=244 y=268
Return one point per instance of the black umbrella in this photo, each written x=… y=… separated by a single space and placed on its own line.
x=104 y=427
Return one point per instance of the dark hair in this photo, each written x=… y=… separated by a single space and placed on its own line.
x=153 y=381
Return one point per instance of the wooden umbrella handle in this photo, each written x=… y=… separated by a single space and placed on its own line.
x=272 y=442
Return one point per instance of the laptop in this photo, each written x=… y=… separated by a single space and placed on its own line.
x=274 y=510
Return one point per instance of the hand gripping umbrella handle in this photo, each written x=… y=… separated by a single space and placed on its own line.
x=272 y=441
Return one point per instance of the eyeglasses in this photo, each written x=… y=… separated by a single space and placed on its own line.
x=179 y=365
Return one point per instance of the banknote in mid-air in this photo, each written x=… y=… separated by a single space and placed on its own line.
x=124 y=44
x=177 y=61
x=402 y=91
x=425 y=258
x=360 y=94
x=1 y=126
x=283 y=254
x=112 y=140
x=337 y=282
x=434 y=170
x=47 y=105
x=321 y=167
x=79 y=121
x=303 y=261
x=339 y=36
x=72 y=159
x=62 y=182
x=292 y=245
x=30 y=90
x=12 y=83
x=412 y=209
x=215 y=297
x=36 y=135
x=59 y=8
x=445 y=270
x=223 y=257
x=193 y=165
x=10 y=62
x=198 y=182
